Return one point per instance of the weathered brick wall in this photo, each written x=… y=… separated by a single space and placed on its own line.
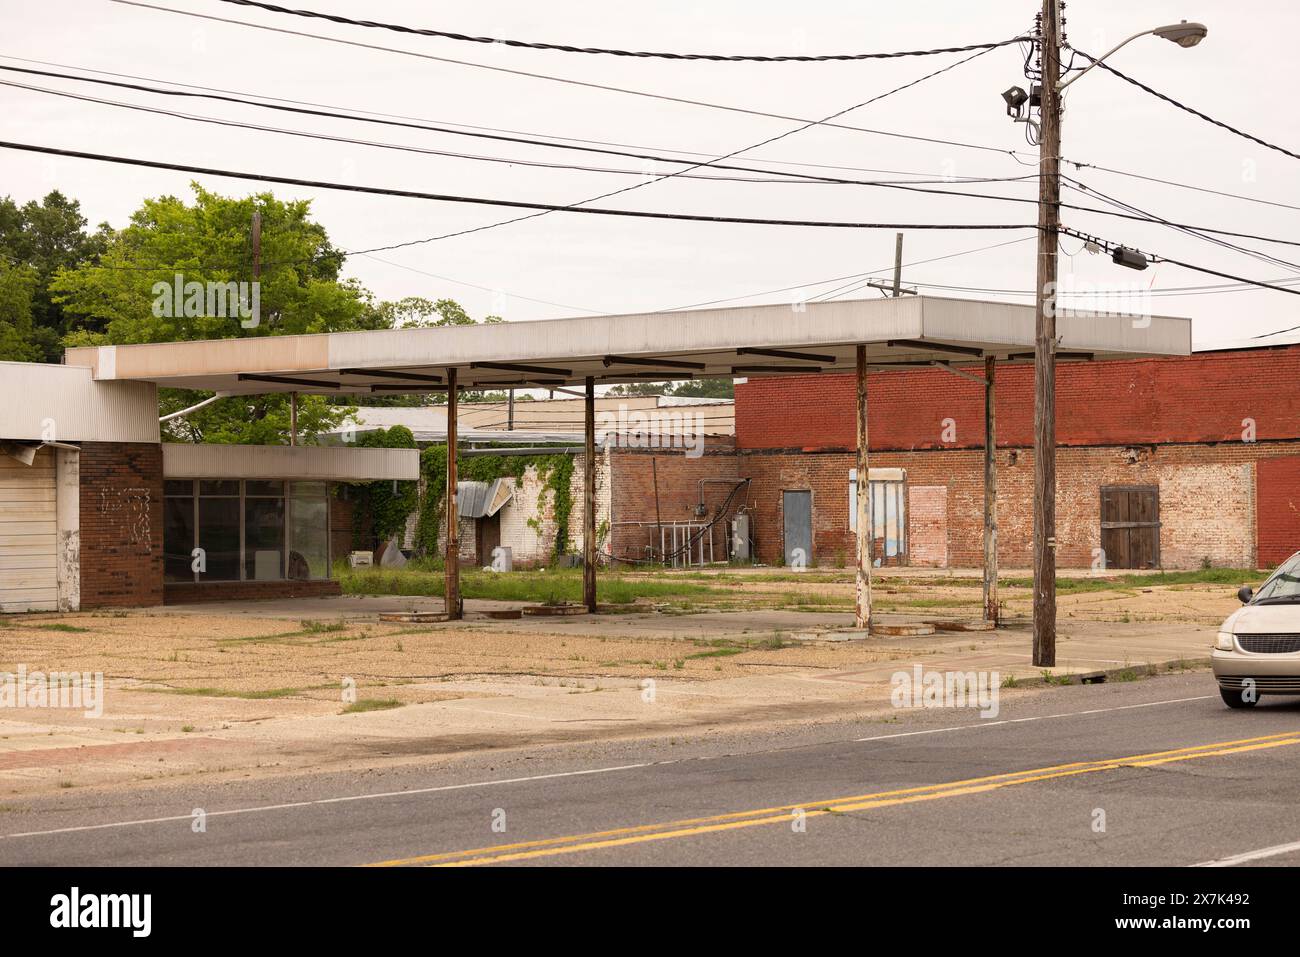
x=1277 y=519
x=121 y=506
x=1207 y=501
x=343 y=515
x=1202 y=398
x=927 y=525
x=682 y=482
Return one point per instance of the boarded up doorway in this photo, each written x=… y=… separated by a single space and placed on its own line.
x=1130 y=526
x=796 y=511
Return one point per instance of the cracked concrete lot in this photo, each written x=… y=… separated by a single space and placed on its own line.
x=250 y=689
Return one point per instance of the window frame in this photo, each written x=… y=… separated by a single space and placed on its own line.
x=194 y=496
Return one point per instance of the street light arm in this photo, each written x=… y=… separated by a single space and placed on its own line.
x=1183 y=33
x=1118 y=46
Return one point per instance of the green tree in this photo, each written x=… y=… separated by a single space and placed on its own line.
x=118 y=297
x=691 y=388
x=418 y=312
x=47 y=236
x=17 y=287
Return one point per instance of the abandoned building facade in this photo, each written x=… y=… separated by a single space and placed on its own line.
x=1168 y=463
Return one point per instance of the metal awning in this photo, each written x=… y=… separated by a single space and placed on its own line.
x=483 y=499
x=739 y=342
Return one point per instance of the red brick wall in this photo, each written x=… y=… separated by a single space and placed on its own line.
x=1207 y=500
x=633 y=494
x=1204 y=398
x=121 y=505
x=927 y=525
x=342 y=517
x=1278 y=512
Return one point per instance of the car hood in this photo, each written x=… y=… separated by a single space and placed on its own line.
x=1264 y=619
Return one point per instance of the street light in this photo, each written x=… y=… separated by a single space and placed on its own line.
x=1184 y=34
x=1049 y=221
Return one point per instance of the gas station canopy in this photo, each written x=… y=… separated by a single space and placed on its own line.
x=736 y=342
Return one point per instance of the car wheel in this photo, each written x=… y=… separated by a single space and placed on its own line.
x=1237 y=699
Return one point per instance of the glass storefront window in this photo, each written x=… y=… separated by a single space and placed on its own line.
x=178 y=531
x=249 y=530
x=309 y=530
x=219 y=538
x=263 y=538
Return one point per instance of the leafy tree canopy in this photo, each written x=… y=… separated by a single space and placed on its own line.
x=691 y=388
x=36 y=241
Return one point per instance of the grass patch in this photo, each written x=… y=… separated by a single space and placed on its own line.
x=59 y=626
x=310 y=627
x=372 y=704
x=229 y=693
x=716 y=653
x=1200 y=576
x=551 y=586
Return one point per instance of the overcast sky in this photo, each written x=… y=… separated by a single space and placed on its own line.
x=1243 y=73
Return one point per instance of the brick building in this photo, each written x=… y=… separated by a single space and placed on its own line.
x=96 y=511
x=1170 y=462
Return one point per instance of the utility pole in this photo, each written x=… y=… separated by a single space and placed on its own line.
x=510 y=412
x=1049 y=217
x=895 y=288
x=898 y=265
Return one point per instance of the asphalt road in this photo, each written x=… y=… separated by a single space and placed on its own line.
x=1155 y=772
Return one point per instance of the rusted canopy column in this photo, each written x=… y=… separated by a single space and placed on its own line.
x=589 y=498
x=990 y=495
x=864 y=543
x=451 y=564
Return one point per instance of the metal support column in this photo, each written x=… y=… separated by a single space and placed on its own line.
x=589 y=498
x=451 y=565
x=864 y=543
x=990 y=494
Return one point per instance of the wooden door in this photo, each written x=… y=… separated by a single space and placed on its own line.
x=1130 y=526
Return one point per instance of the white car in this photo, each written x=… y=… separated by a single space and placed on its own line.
x=1258 y=648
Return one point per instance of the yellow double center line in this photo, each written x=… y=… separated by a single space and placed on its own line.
x=782 y=814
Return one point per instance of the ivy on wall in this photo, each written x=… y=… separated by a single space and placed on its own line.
x=554 y=470
x=383 y=506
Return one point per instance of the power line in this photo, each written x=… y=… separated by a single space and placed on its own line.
x=852 y=276
x=1183 y=106
x=492 y=129
x=1156 y=257
x=196 y=117
x=853 y=287
x=717 y=163
x=462 y=282
x=1078 y=187
x=568 y=48
x=1169 y=182
x=483 y=201
x=726 y=156
x=1168 y=292
x=569 y=81
x=797 y=177
x=791 y=177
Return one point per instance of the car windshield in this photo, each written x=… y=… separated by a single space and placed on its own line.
x=1284 y=584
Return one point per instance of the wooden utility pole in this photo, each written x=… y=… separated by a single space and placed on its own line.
x=257 y=245
x=589 y=497
x=898 y=265
x=862 y=615
x=451 y=563
x=990 y=493
x=1049 y=213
